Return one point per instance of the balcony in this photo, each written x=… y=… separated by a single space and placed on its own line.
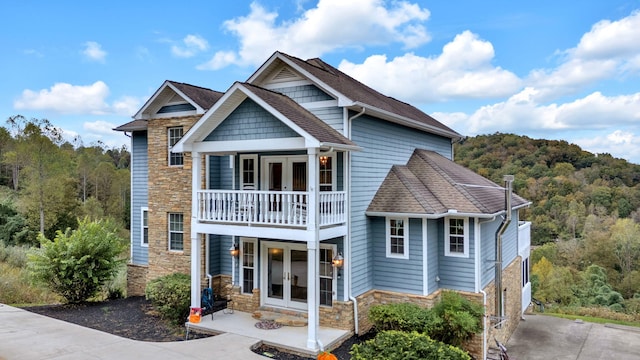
x=269 y=208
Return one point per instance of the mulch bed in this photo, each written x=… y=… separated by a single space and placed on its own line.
x=132 y=318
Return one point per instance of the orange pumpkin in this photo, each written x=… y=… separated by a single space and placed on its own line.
x=325 y=355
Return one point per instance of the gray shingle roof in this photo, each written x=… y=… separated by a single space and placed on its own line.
x=205 y=98
x=431 y=184
x=135 y=125
x=300 y=116
x=359 y=92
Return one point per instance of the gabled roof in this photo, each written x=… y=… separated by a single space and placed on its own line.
x=135 y=125
x=282 y=107
x=356 y=94
x=430 y=184
x=205 y=98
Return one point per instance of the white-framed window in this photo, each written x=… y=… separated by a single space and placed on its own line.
x=249 y=264
x=174 y=134
x=144 y=227
x=397 y=237
x=176 y=232
x=456 y=238
x=327 y=172
x=249 y=172
x=326 y=275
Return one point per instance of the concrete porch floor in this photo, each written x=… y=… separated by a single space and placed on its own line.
x=293 y=339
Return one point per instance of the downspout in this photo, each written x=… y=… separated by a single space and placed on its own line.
x=348 y=276
x=479 y=263
x=508 y=180
x=484 y=326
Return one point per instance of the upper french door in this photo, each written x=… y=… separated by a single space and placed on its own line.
x=284 y=173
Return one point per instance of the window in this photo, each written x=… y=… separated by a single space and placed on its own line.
x=176 y=232
x=144 y=224
x=248 y=172
x=174 y=135
x=248 y=265
x=326 y=277
x=525 y=272
x=326 y=173
x=397 y=238
x=456 y=237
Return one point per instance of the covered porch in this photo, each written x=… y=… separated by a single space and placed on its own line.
x=293 y=339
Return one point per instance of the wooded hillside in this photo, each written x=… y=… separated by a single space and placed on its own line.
x=47 y=183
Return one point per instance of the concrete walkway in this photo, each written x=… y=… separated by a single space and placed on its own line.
x=541 y=337
x=25 y=336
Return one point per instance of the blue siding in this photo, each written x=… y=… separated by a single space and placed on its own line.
x=456 y=273
x=383 y=144
x=304 y=93
x=432 y=254
x=139 y=194
x=340 y=171
x=332 y=116
x=220 y=172
x=249 y=121
x=214 y=254
x=509 y=247
x=403 y=275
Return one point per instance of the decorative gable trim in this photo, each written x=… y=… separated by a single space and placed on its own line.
x=167 y=94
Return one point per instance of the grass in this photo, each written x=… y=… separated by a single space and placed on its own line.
x=593 y=319
x=16 y=289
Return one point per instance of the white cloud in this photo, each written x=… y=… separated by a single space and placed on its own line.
x=463 y=70
x=619 y=143
x=611 y=39
x=193 y=44
x=93 y=51
x=66 y=98
x=331 y=25
x=99 y=127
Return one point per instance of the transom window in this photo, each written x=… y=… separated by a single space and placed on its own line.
x=397 y=238
x=174 y=135
x=456 y=237
x=176 y=232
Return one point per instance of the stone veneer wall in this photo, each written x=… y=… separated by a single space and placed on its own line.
x=512 y=282
x=338 y=316
x=169 y=192
x=136 y=279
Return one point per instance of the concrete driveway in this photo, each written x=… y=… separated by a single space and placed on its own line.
x=547 y=337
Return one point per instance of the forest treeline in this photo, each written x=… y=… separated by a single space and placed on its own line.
x=585 y=217
x=47 y=183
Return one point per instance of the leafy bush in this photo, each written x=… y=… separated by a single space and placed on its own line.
x=402 y=317
x=392 y=345
x=171 y=296
x=77 y=263
x=457 y=318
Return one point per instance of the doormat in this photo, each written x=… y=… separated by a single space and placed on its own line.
x=268 y=325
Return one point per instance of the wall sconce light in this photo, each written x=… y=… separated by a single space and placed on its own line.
x=323 y=160
x=338 y=262
x=233 y=251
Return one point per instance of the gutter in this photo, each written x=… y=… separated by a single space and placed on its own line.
x=349 y=263
x=508 y=181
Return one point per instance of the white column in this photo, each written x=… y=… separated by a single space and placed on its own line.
x=196 y=244
x=313 y=244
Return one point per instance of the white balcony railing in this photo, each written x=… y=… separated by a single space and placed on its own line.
x=289 y=208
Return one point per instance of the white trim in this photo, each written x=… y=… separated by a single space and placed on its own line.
x=177 y=232
x=256 y=281
x=141 y=112
x=447 y=237
x=142 y=211
x=405 y=238
x=320 y=104
x=174 y=114
x=425 y=263
x=170 y=147
x=270 y=85
x=477 y=253
x=233 y=146
x=253 y=184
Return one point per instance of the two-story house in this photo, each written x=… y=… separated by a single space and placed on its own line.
x=335 y=196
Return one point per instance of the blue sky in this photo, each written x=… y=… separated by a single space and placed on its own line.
x=544 y=69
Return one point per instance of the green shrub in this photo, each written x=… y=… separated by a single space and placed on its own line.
x=401 y=316
x=76 y=264
x=399 y=345
x=171 y=296
x=457 y=318
x=13 y=255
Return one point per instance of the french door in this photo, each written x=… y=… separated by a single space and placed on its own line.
x=284 y=173
x=285 y=275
